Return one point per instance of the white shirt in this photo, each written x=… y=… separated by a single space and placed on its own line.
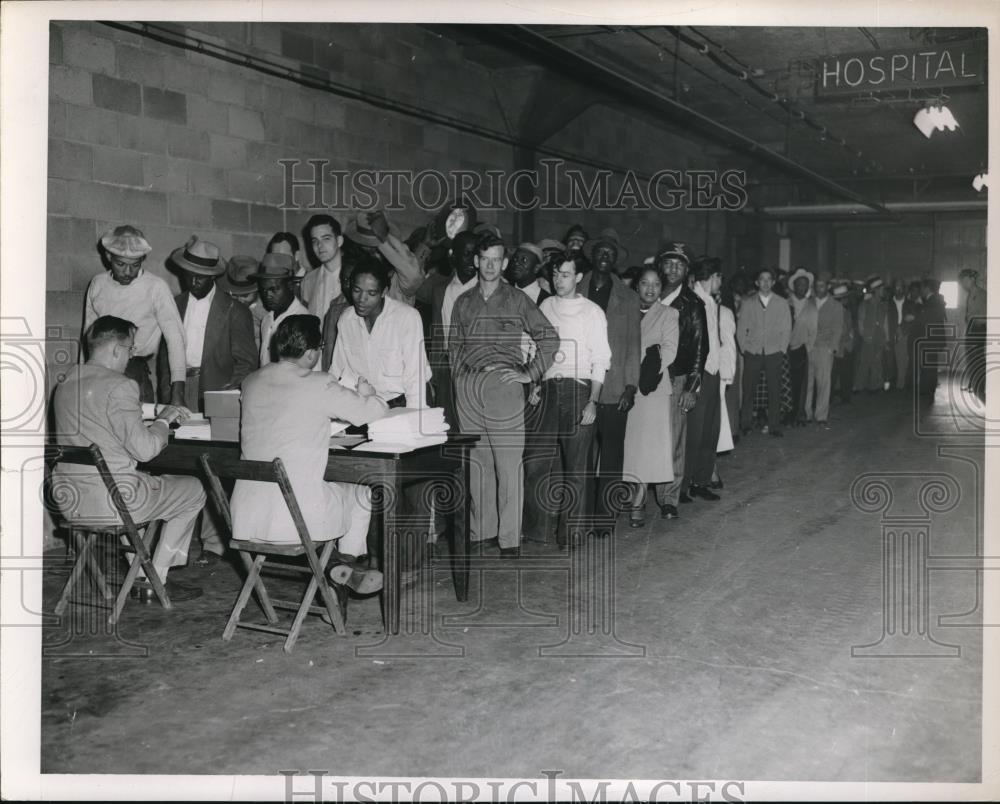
x=584 y=352
x=532 y=291
x=454 y=289
x=765 y=300
x=269 y=324
x=820 y=302
x=666 y=300
x=320 y=287
x=899 y=309
x=195 y=322
x=712 y=316
x=391 y=357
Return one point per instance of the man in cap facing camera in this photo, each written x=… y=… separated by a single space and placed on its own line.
x=129 y=292
x=277 y=297
x=218 y=331
x=826 y=343
x=522 y=271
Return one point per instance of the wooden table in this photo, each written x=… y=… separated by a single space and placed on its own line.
x=386 y=474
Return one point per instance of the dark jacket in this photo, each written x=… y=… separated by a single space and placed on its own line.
x=692 y=344
x=229 y=353
x=624 y=336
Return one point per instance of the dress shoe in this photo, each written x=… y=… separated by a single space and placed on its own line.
x=777 y=433
x=637 y=518
x=669 y=511
x=142 y=591
x=704 y=492
x=684 y=497
x=510 y=552
x=716 y=484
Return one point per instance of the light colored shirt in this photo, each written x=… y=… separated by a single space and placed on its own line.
x=454 y=289
x=584 y=352
x=147 y=303
x=195 y=322
x=668 y=299
x=712 y=318
x=899 y=309
x=320 y=287
x=804 y=321
x=286 y=413
x=391 y=357
x=269 y=324
x=532 y=291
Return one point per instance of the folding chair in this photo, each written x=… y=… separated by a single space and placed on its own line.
x=84 y=534
x=254 y=555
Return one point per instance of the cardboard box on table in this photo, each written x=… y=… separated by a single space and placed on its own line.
x=222 y=409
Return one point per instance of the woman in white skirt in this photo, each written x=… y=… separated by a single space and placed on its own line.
x=727 y=373
x=648 y=445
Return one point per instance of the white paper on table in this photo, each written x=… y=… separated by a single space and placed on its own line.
x=408 y=445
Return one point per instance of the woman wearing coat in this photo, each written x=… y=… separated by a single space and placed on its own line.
x=648 y=443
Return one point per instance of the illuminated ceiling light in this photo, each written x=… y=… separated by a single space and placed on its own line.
x=982 y=180
x=934 y=118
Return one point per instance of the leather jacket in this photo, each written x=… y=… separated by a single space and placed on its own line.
x=692 y=345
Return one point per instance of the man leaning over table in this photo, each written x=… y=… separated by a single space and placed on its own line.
x=286 y=411
x=97 y=404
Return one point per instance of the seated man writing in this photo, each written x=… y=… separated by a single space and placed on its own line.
x=97 y=404
x=286 y=414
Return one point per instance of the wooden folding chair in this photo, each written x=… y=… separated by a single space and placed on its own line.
x=84 y=534
x=255 y=554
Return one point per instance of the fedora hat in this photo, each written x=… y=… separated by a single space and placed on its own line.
x=801 y=273
x=239 y=275
x=873 y=282
x=609 y=236
x=125 y=241
x=199 y=257
x=359 y=231
x=276 y=266
x=839 y=292
x=531 y=248
x=549 y=244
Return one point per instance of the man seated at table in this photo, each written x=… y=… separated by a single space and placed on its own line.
x=97 y=404
x=287 y=408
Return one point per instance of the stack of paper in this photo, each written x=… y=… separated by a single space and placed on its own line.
x=409 y=425
x=197 y=427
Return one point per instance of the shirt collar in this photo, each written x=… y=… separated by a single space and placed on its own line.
x=207 y=300
x=671 y=296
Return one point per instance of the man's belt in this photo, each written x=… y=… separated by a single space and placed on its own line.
x=193 y=372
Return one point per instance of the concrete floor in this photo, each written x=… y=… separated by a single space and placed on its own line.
x=722 y=648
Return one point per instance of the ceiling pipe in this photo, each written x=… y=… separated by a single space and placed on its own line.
x=848 y=210
x=542 y=50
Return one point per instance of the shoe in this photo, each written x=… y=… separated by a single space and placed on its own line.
x=685 y=497
x=745 y=431
x=669 y=511
x=777 y=433
x=704 y=492
x=142 y=591
x=637 y=518
x=510 y=552
x=716 y=484
x=765 y=429
x=208 y=559
x=362 y=580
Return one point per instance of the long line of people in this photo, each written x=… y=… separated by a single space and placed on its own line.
x=586 y=379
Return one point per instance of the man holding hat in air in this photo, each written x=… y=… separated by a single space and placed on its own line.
x=129 y=292
x=218 y=331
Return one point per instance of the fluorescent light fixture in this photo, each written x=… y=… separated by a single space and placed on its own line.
x=982 y=180
x=934 y=118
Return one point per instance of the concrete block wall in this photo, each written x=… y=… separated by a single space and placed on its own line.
x=180 y=142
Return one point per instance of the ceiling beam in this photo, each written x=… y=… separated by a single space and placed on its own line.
x=541 y=50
